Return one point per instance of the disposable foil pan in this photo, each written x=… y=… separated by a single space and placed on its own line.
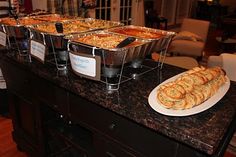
x=158 y=38
x=17 y=28
x=76 y=25
x=47 y=31
x=111 y=57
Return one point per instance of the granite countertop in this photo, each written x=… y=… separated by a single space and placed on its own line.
x=203 y=131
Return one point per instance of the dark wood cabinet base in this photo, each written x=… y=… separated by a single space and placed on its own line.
x=51 y=120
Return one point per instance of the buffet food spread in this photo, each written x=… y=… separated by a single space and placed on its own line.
x=98 y=24
x=93 y=36
x=191 y=88
x=32 y=20
x=74 y=25
x=140 y=32
x=54 y=18
x=45 y=24
x=68 y=27
x=20 y=21
x=105 y=40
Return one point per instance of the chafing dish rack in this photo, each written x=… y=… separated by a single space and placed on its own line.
x=103 y=44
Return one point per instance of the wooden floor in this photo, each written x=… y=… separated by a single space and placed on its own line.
x=8 y=147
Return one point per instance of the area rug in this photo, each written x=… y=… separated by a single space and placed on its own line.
x=232 y=145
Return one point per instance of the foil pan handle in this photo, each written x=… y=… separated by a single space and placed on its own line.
x=126 y=42
x=14 y=15
x=59 y=27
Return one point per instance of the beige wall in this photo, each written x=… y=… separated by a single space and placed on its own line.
x=39 y=4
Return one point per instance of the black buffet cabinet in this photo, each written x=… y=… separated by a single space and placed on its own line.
x=71 y=116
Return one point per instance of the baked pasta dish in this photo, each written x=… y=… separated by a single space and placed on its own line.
x=192 y=88
x=104 y=40
x=68 y=27
x=22 y=21
x=97 y=24
x=53 y=18
x=138 y=32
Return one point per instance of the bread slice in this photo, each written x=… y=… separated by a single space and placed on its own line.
x=173 y=92
x=187 y=86
x=164 y=102
x=179 y=105
x=190 y=101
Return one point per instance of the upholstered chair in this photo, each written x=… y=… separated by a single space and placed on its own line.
x=191 y=39
x=227 y=61
x=179 y=61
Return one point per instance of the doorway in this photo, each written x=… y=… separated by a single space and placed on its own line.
x=115 y=10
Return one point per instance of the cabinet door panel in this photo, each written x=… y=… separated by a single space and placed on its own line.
x=27 y=125
x=53 y=96
x=120 y=129
x=26 y=118
x=107 y=148
x=18 y=81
